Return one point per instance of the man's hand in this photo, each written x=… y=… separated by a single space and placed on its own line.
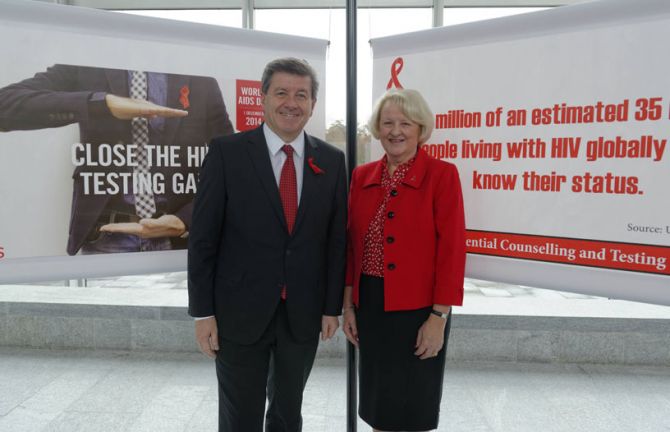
x=164 y=226
x=349 y=326
x=430 y=338
x=124 y=108
x=207 y=336
x=328 y=326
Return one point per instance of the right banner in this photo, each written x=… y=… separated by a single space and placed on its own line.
x=558 y=122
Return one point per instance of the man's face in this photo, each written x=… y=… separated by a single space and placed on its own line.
x=288 y=104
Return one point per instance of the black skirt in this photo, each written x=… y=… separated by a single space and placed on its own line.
x=397 y=391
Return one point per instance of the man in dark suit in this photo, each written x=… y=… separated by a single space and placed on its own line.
x=97 y=99
x=266 y=255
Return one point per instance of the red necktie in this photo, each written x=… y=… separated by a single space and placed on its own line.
x=288 y=191
x=288 y=188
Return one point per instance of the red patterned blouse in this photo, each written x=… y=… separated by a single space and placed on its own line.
x=373 y=249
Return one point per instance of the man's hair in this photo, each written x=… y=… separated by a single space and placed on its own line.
x=412 y=105
x=293 y=66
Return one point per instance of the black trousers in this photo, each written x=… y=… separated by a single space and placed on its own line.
x=276 y=363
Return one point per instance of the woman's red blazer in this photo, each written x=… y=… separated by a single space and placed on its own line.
x=424 y=233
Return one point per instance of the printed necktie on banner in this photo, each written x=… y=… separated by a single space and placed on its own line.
x=145 y=205
x=288 y=191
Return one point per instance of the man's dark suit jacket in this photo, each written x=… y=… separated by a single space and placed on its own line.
x=240 y=253
x=60 y=96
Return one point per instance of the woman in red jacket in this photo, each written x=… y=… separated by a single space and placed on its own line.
x=405 y=268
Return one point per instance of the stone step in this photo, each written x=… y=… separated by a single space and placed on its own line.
x=482 y=336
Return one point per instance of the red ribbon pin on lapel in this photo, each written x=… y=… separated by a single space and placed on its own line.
x=314 y=166
x=183 y=97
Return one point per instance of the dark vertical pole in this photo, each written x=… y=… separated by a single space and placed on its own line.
x=352 y=127
x=352 y=117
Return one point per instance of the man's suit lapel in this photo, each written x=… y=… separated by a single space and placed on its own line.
x=258 y=152
x=310 y=180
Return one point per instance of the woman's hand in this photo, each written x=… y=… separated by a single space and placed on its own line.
x=349 y=325
x=430 y=338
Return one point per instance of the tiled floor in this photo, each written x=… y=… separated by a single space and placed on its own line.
x=73 y=391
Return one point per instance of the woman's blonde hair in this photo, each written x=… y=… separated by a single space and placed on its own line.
x=412 y=105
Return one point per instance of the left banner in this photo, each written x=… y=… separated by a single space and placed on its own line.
x=104 y=122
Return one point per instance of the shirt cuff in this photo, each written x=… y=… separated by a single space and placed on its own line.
x=97 y=105
x=202 y=318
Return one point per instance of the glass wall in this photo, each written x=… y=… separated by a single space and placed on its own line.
x=224 y=17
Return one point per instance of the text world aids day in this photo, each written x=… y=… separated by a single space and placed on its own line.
x=249 y=104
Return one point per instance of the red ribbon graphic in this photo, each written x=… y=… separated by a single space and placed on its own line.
x=396 y=67
x=183 y=97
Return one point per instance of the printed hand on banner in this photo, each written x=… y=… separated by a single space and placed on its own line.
x=164 y=226
x=124 y=108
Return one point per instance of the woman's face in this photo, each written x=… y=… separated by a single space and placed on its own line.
x=398 y=134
